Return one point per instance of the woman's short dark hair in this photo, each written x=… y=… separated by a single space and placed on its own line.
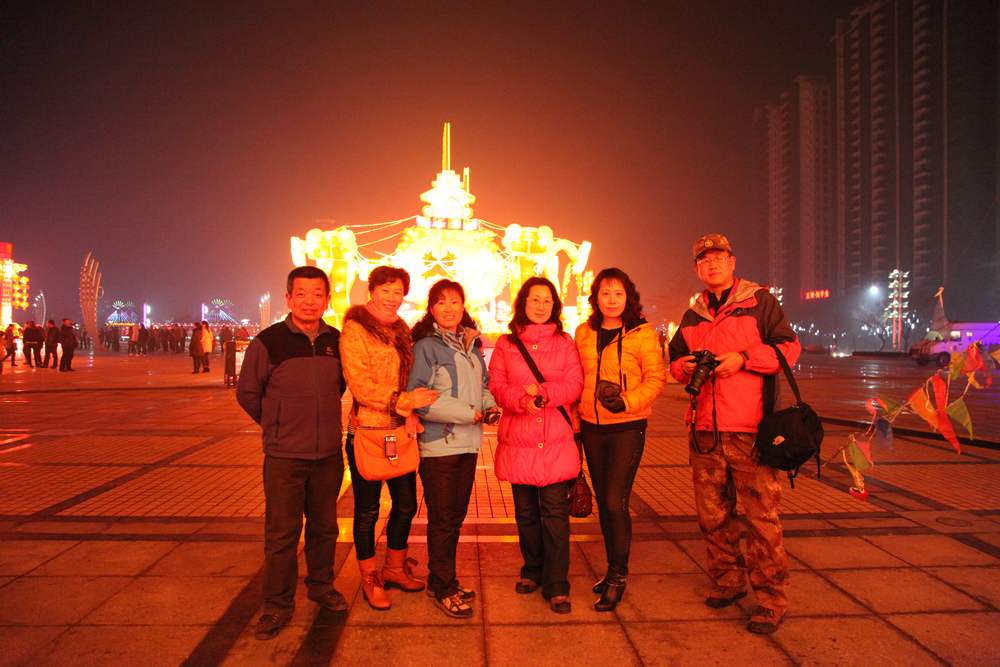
x=633 y=309
x=382 y=275
x=306 y=272
x=520 y=319
x=425 y=326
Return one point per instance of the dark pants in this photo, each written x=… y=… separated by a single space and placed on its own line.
x=197 y=359
x=613 y=459
x=66 y=363
x=448 y=484
x=54 y=354
x=367 y=495
x=543 y=533
x=10 y=353
x=33 y=350
x=293 y=487
x=204 y=363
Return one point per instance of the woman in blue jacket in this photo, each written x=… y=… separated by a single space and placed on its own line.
x=448 y=358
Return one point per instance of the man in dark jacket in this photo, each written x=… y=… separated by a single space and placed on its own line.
x=32 y=338
x=51 y=344
x=67 y=340
x=291 y=384
x=735 y=320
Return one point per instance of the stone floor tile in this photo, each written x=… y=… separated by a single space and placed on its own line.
x=504 y=559
x=220 y=559
x=252 y=527
x=863 y=640
x=839 y=552
x=989 y=538
x=702 y=644
x=85 y=646
x=668 y=597
x=961 y=639
x=979 y=582
x=55 y=600
x=902 y=590
x=953 y=521
x=19 y=557
x=154 y=527
x=466 y=563
x=929 y=550
x=251 y=652
x=168 y=601
x=64 y=527
x=582 y=644
x=368 y=645
x=20 y=642
x=504 y=605
x=645 y=557
x=873 y=522
x=105 y=559
x=809 y=594
x=410 y=608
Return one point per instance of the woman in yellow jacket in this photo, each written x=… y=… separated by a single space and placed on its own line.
x=623 y=373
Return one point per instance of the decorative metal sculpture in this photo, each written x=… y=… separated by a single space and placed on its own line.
x=90 y=292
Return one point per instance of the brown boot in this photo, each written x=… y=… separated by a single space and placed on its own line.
x=371 y=585
x=398 y=571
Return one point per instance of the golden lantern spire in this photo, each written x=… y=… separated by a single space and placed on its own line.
x=446 y=147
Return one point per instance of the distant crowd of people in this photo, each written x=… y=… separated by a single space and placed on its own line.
x=53 y=346
x=36 y=339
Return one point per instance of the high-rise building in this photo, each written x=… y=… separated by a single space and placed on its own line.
x=796 y=136
x=916 y=149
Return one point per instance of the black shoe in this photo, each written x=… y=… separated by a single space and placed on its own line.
x=560 y=604
x=466 y=593
x=764 y=621
x=613 y=592
x=332 y=600
x=721 y=600
x=526 y=586
x=269 y=625
x=601 y=583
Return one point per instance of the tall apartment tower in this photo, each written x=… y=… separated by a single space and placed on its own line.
x=796 y=135
x=916 y=148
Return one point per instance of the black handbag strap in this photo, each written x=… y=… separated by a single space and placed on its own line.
x=537 y=373
x=788 y=373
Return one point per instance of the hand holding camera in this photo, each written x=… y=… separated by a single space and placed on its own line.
x=610 y=396
x=491 y=416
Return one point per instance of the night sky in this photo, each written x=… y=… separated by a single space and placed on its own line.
x=184 y=146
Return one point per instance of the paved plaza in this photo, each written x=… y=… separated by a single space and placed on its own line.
x=131 y=533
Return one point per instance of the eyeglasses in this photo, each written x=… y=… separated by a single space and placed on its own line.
x=714 y=259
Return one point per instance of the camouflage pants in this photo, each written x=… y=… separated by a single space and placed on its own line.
x=720 y=477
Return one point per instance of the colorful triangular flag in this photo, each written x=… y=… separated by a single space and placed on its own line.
x=959 y=412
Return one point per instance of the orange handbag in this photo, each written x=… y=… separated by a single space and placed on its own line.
x=384 y=453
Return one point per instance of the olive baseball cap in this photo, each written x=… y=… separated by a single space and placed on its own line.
x=711 y=242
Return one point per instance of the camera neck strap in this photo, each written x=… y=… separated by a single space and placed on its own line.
x=537 y=373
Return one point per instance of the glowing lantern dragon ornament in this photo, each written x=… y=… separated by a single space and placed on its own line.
x=447 y=241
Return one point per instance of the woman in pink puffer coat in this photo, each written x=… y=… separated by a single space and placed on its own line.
x=536 y=451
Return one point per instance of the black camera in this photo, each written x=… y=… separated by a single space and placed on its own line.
x=705 y=363
x=539 y=401
x=491 y=416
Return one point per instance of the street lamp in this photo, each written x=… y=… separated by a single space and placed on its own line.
x=873 y=290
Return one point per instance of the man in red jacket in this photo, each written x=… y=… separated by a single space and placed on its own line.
x=736 y=320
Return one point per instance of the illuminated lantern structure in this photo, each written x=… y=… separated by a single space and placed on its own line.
x=447 y=241
x=13 y=286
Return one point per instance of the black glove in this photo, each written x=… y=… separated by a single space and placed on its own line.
x=491 y=416
x=610 y=396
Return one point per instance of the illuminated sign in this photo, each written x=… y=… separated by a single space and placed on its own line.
x=812 y=295
x=13 y=287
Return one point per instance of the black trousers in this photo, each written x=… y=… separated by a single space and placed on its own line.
x=613 y=460
x=293 y=488
x=52 y=352
x=542 y=514
x=33 y=350
x=448 y=484
x=66 y=363
x=367 y=497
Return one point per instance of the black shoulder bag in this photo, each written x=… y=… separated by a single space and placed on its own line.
x=581 y=499
x=786 y=439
